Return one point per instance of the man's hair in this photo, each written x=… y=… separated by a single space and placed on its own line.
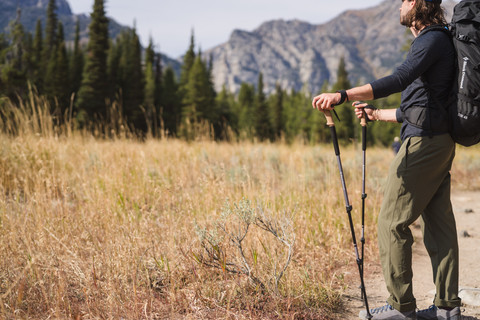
x=425 y=14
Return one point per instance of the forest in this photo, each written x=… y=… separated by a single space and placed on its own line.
x=118 y=84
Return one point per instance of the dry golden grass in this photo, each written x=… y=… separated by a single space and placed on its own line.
x=105 y=229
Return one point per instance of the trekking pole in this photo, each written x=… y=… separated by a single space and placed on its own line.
x=331 y=124
x=363 y=123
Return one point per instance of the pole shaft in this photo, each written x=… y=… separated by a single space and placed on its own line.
x=359 y=259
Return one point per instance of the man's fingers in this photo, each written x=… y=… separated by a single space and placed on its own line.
x=359 y=104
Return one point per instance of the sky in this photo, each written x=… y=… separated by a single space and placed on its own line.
x=170 y=22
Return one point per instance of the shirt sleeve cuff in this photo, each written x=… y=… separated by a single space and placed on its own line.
x=399 y=115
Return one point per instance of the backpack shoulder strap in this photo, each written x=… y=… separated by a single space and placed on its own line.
x=437 y=27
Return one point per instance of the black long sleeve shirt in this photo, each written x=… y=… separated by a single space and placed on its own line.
x=425 y=79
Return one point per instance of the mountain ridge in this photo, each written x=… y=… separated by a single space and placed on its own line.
x=299 y=55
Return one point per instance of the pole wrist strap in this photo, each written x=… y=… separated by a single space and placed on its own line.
x=343 y=96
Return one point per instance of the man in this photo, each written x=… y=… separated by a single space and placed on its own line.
x=418 y=183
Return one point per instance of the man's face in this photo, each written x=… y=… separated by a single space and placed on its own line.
x=407 y=5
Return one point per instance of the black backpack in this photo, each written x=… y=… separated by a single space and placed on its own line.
x=464 y=109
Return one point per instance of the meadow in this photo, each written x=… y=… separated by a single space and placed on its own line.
x=118 y=228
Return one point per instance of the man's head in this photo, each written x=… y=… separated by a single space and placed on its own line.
x=421 y=13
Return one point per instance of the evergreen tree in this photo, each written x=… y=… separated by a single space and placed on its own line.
x=113 y=70
x=132 y=79
x=36 y=63
x=61 y=81
x=150 y=88
x=149 y=75
x=28 y=56
x=320 y=131
x=225 y=102
x=76 y=62
x=262 y=120
x=298 y=112
x=291 y=116
x=50 y=30
x=49 y=55
x=93 y=90
x=170 y=103
x=245 y=110
x=346 y=126
x=277 y=116
x=197 y=99
x=158 y=73
x=188 y=61
x=212 y=113
x=14 y=71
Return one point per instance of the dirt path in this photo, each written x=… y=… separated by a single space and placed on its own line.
x=466 y=206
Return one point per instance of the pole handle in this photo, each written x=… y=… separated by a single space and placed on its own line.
x=328 y=116
x=363 y=119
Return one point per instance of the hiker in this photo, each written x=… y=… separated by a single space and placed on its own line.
x=396 y=145
x=418 y=183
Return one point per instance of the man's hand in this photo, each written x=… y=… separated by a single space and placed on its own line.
x=326 y=101
x=361 y=107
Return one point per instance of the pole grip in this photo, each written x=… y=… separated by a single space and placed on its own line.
x=328 y=116
x=363 y=120
x=331 y=124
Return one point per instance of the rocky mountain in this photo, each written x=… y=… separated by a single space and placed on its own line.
x=297 y=54
x=30 y=11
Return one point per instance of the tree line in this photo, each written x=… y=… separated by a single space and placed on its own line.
x=115 y=81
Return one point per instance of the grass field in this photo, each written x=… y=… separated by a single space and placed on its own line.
x=165 y=229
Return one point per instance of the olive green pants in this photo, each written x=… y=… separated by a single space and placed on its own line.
x=418 y=185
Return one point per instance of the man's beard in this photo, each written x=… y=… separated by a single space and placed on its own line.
x=407 y=20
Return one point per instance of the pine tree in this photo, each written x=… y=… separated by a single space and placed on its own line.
x=346 y=126
x=195 y=98
x=93 y=90
x=150 y=88
x=149 y=75
x=262 y=120
x=14 y=71
x=297 y=113
x=320 y=131
x=170 y=103
x=113 y=70
x=225 y=102
x=188 y=61
x=28 y=56
x=36 y=72
x=245 y=110
x=76 y=62
x=61 y=78
x=277 y=116
x=132 y=80
x=49 y=55
x=50 y=30
x=158 y=72
x=212 y=113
